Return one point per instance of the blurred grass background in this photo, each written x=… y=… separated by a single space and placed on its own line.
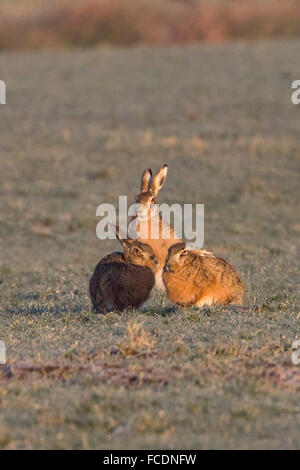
x=35 y=24
x=78 y=128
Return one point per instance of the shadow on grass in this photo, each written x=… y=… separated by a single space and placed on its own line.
x=59 y=310
x=206 y=311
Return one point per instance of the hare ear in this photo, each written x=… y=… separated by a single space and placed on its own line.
x=146 y=179
x=158 y=180
x=121 y=235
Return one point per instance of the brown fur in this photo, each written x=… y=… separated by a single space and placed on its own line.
x=150 y=186
x=197 y=277
x=122 y=280
x=115 y=257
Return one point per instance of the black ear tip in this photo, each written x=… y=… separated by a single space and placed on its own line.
x=165 y=166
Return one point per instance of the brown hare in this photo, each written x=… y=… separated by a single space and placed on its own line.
x=147 y=206
x=122 y=280
x=198 y=277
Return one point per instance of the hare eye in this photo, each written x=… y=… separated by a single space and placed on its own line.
x=136 y=251
x=183 y=253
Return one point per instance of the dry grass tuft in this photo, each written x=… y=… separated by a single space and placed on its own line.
x=138 y=340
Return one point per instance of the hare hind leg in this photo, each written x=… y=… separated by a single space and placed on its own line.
x=108 y=294
x=99 y=304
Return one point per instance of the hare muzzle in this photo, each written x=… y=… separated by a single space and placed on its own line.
x=168 y=269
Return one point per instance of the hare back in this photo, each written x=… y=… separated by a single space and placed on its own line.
x=115 y=257
x=219 y=282
x=119 y=285
x=222 y=271
x=206 y=281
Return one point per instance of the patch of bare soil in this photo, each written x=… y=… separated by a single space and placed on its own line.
x=120 y=373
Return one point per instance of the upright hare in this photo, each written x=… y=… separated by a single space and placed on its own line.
x=198 y=277
x=148 y=217
x=122 y=280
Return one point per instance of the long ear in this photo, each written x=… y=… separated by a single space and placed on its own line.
x=123 y=238
x=146 y=179
x=158 y=180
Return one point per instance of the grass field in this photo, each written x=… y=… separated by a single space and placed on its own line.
x=77 y=130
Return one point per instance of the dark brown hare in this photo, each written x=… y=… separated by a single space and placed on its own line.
x=123 y=280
